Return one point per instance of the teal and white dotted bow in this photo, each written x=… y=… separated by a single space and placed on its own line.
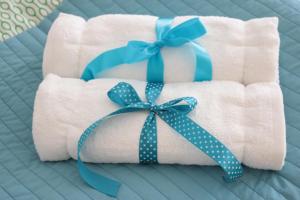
x=174 y=113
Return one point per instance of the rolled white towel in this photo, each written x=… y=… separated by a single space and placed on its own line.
x=242 y=51
x=249 y=120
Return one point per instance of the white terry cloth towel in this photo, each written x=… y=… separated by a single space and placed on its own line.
x=242 y=51
x=249 y=120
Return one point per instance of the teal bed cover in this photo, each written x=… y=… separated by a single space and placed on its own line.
x=23 y=176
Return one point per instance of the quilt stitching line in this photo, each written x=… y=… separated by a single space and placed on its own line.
x=17 y=74
x=116 y=177
x=289 y=6
x=12 y=89
x=20 y=57
x=234 y=194
x=151 y=184
x=174 y=183
x=18 y=181
x=166 y=176
x=8 y=149
x=21 y=161
x=273 y=11
x=6 y=192
x=201 y=184
x=70 y=181
x=99 y=166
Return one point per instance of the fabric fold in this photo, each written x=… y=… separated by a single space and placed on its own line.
x=249 y=120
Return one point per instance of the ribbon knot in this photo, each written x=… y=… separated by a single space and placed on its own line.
x=174 y=113
x=159 y=44
x=154 y=48
x=154 y=108
x=136 y=51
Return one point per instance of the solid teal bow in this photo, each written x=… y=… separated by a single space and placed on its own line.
x=137 y=51
x=174 y=113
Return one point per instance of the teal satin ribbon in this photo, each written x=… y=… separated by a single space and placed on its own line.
x=137 y=51
x=174 y=113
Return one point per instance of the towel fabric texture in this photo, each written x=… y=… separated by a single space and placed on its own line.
x=242 y=51
x=249 y=120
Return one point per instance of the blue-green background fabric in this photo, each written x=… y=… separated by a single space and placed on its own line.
x=23 y=176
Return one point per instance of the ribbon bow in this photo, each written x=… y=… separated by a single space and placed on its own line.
x=174 y=113
x=137 y=51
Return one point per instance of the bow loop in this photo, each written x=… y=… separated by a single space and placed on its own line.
x=184 y=32
x=163 y=25
x=140 y=50
x=137 y=51
x=183 y=105
x=159 y=43
x=124 y=94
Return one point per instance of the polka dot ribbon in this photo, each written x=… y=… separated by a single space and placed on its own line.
x=174 y=113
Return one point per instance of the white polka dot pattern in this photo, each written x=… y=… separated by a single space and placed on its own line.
x=148 y=141
x=204 y=141
x=174 y=113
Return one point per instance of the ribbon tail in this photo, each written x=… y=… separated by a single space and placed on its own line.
x=131 y=53
x=203 y=69
x=104 y=61
x=148 y=141
x=97 y=181
x=204 y=141
x=155 y=68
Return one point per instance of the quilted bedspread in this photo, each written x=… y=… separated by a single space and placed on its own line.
x=23 y=176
